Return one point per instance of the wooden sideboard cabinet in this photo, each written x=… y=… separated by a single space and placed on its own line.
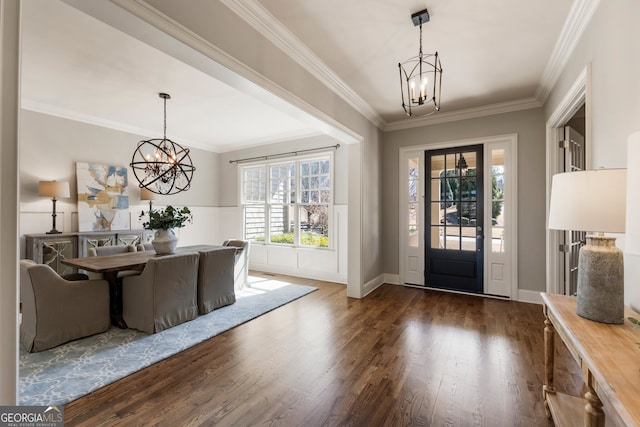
x=609 y=357
x=51 y=249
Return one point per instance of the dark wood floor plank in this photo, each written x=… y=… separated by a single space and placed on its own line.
x=401 y=356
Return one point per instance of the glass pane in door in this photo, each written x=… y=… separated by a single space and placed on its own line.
x=454 y=200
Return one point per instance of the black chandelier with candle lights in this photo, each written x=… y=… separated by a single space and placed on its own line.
x=420 y=77
x=162 y=166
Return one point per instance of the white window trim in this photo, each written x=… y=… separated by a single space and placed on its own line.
x=284 y=160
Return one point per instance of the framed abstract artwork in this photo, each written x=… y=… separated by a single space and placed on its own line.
x=103 y=201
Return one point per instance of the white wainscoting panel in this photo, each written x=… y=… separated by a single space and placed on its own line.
x=213 y=225
x=282 y=256
x=322 y=264
x=317 y=260
x=258 y=256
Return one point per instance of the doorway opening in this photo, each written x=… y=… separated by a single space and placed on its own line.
x=573 y=111
x=572 y=158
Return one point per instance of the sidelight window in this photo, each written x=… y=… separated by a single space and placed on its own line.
x=497 y=200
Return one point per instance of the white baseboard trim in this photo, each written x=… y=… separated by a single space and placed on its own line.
x=305 y=274
x=372 y=285
x=392 y=279
x=529 y=296
x=523 y=294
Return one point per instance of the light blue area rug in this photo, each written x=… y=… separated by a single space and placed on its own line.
x=64 y=373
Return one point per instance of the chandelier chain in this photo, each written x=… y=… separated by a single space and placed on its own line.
x=420 y=53
x=164 y=130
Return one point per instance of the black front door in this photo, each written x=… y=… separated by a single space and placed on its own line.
x=455 y=232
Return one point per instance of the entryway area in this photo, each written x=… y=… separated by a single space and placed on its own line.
x=458 y=216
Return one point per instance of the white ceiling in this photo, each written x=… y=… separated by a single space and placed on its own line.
x=494 y=52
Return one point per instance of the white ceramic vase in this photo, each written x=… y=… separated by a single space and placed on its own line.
x=165 y=242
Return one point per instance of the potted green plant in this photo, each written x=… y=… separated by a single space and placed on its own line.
x=163 y=221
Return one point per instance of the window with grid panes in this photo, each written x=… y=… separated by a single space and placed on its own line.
x=298 y=202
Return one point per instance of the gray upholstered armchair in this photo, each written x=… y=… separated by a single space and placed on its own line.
x=163 y=295
x=241 y=269
x=55 y=310
x=111 y=250
x=215 y=279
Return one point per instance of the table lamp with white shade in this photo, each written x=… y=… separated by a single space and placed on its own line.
x=594 y=201
x=55 y=190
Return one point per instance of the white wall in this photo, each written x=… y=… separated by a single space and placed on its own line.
x=610 y=46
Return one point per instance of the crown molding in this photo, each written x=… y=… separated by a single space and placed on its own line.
x=266 y=24
x=469 y=113
x=237 y=74
x=579 y=17
x=65 y=113
x=257 y=142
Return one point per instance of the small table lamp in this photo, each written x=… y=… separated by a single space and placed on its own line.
x=53 y=189
x=591 y=201
x=146 y=194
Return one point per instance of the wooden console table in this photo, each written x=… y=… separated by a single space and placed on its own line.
x=610 y=360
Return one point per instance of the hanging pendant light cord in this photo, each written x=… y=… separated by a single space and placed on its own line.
x=420 y=100
x=164 y=129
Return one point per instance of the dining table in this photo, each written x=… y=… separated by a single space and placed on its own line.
x=110 y=265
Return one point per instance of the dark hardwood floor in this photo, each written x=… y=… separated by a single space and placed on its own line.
x=399 y=357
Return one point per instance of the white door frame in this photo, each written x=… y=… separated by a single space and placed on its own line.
x=576 y=96
x=511 y=203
